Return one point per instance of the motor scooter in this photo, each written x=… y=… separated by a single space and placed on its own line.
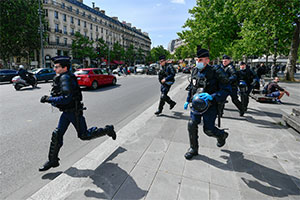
x=18 y=82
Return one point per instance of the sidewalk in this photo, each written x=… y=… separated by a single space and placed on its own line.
x=259 y=161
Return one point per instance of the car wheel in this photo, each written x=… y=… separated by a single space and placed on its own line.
x=94 y=85
x=114 y=82
x=17 y=87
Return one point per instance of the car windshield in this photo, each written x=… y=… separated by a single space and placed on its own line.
x=140 y=68
x=35 y=70
x=81 y=72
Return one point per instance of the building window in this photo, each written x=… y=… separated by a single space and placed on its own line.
x=57 y=40
x=63 y=5
x=59 y=52
x=72 y=31
x=91 y=36
x=56 y=27
x=91 y=26
x=56 y=14
x=84 y=34
x=70 y=8
x=65 y=30
x=97 y=37
x=97 y=28
x=84 y=24
x=83 y=14
x=66 y=41
x=101 y=30
x=72 y=20
x=77 y=11
x=65 y=17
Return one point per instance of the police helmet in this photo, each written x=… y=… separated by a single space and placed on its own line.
x=243 y=86
x=21 y=67
x=199 y=105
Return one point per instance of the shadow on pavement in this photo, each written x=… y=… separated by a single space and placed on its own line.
x=277 y=184
x=177 y=115
x=51 y=176
x=109 y=177
x=101 y=88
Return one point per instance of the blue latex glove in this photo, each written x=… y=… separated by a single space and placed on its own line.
x=186 y=105
x=206 y=97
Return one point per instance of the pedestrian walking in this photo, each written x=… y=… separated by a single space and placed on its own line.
x=67 y=97
x=166 y=79
x=208 y=86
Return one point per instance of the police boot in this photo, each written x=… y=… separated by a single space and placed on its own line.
x=222 y=139
x=160 y=107
x=193 y=136
x=107 y=130
x=110 y=131
x=53 y=153
x=172 y=105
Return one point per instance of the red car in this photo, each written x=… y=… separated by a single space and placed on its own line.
x=93 y=77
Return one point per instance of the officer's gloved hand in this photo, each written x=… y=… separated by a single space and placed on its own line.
x=206 y=97
x=186 y=104
x=45 y=99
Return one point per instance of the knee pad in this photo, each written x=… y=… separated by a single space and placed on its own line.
x=209 y=132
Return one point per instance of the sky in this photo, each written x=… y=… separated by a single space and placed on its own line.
x=161 y=19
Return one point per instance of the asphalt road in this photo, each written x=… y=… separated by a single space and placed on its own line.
x=26 y=126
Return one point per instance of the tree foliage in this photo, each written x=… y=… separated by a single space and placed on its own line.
x=19 y=28
x=82 y=47
x=243 y=28
x=158 y=51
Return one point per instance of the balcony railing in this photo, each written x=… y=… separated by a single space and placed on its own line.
x=60 y=44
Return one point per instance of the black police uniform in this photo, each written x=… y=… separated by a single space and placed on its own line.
x=66 y=95
x=168 y=73
x=211 y=80
x=233 y=79
x=251 y=79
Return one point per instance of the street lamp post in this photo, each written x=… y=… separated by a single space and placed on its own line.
x=41 y=35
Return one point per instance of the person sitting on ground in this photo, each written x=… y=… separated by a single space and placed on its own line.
x=274 y=90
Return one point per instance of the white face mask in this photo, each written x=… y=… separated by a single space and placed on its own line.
x=200 y=65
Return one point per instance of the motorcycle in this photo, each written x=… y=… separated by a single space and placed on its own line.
x=18 y=82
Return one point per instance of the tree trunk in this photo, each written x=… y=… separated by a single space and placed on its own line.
x=292 y=59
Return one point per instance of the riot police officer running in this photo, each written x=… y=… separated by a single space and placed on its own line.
x=166 y=79
x=233 y=79
x=245 y=74
x=66 y=95
x=209 y=85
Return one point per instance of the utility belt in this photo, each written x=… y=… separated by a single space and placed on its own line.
x=79 y=108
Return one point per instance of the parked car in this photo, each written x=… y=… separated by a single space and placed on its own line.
x=44 y=74
x=7 y=74
x=94 y=77
x=141 y=69
x=151 y=71
x=155 y=65
x=186 y=70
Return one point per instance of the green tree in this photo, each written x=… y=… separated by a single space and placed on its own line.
x=19 y=28
x=245 y=28
x=82 y=47
x=158 y=51
x=101 y=48
x=130 y=55
x=118 y=52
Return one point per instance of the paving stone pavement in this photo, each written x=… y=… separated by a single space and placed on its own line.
x=259 y=161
